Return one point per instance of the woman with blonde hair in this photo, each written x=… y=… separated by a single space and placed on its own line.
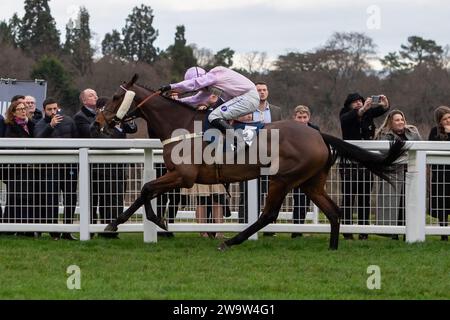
x=391 y=201
x=395 y=127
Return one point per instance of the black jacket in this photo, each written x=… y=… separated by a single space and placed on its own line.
x=16 y=131
x=356 y=128
x=313 y=126
x=2 y=126
x=65 y=129
x=128 y=127
x=37 y=116
x=83 y=120
x=434 y=135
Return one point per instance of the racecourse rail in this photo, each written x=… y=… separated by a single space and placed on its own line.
x=142 y=154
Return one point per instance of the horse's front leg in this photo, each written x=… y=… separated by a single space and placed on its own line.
x=150 y=190
x=124 y=216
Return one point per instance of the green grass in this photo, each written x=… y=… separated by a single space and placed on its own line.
x=190 y=267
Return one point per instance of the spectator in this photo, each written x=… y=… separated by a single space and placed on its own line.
x=391 y=201
x=19 y=177
x=302 y=114
x=4 y=175
x=86 y=116
x=2 y=127
x=440 y=173
x=83 y=122
x=266 y=113
x=59 y=178
x=34 y=114
x=208 y=195
x=18 y=97
x=357 y=123
x=109 y=181
x=17 y=121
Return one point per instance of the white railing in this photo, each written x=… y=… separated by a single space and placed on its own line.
x=86 y=153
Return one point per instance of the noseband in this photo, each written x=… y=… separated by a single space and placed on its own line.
x=116 y=120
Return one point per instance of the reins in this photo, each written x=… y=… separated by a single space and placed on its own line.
x=148 y=98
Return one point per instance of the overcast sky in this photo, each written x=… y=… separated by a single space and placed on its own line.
x=275 y=27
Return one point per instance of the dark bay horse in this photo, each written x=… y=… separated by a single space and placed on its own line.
x=304 y=159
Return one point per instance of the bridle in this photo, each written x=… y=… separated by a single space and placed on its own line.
x=127 y=117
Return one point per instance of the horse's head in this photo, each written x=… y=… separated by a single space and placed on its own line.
x=116 y=108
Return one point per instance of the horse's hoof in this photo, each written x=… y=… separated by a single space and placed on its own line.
x=223 y=247
x=163 y=224
x=111 y=228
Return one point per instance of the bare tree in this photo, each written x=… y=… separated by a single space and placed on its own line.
x=204 y=56
x=255 y=61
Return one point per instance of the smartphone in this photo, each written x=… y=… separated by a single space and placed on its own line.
x=376 y=100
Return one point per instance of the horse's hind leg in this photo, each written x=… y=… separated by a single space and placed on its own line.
x=314 y=189
x=275 y=196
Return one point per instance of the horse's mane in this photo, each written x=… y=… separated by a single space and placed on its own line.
x=177 y=102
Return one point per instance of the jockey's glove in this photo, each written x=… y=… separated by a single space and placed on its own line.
x=165 y=88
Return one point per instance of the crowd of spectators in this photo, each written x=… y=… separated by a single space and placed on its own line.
x=38 y=202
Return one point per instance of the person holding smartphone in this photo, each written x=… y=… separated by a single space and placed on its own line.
x=60 y=178
x=357 y=123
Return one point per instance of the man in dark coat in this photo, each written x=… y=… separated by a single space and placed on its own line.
x=34 y=113
x=61 y=177
x=86 y=116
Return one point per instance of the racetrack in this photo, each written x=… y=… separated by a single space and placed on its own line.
x=190 y=267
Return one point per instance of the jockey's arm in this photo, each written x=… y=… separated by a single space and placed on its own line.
x=200 y=98
x=195 y=84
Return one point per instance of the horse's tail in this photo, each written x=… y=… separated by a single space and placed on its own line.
x=382 y=165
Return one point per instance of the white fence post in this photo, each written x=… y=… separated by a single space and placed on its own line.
x=84 y=194
x=415 y=196
x=252 y=204
x=150 y=229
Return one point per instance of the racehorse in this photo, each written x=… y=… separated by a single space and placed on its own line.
x=304 y=158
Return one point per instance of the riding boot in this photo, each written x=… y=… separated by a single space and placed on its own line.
x=223 y=125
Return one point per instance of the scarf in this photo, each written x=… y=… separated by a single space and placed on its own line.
x=22 y=123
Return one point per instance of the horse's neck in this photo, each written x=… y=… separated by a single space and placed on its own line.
x=164 y=116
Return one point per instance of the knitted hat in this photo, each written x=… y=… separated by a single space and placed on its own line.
x=194 y=72
x=353 y=97
x=439 y=113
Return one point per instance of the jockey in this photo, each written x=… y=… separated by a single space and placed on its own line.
x=238 y=93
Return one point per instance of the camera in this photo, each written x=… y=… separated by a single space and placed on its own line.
x=376 y=100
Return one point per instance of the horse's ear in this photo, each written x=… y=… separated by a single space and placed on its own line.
x=134 y=79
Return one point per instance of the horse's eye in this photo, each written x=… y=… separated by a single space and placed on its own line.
x=115 y=97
